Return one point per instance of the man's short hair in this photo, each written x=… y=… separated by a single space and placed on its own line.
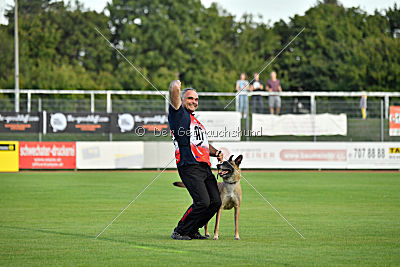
x=183 y=92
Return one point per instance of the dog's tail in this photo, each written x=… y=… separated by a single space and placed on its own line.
x=179 y=184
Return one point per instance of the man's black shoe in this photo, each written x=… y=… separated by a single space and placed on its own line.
x=197 y=235
x=178 y=236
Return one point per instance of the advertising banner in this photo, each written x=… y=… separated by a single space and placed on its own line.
x=221 y=125
x=22 y=122
x=109 y=155
x=291 y=155
x=140 y=123
x=374 y=155
x=9 y=156
x=78 y=122
x=312 y=155
x=394 y=121
x=47 y=155
x=320 y=124
x=159 y=155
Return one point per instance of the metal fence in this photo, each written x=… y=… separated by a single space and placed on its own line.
x=374 y=128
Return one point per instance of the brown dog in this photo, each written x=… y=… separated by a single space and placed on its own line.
x=230 y=192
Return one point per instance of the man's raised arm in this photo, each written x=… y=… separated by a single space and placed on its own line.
x=175 y=94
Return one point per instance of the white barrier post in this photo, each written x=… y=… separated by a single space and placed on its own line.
x=386 y=107
x=16 y=56
x=247 y=130
x=382 y=132
x=109 y=103
x=92 y=102
x=40 y=110
x=28 y=103
x=166 y=102
x=313 y=112
x=109 y=110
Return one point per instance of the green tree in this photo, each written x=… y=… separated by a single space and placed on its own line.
x=6 y=58
x=59 y=47
x=337 y=48
x=206 y=48
x=393 y=15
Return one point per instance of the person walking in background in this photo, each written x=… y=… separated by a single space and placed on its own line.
x=274 y=86
x=242 y=86
x=363 y=106
x=256 y=100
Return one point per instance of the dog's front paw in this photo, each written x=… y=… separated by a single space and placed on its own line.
x=215 y=237
x=237 y=238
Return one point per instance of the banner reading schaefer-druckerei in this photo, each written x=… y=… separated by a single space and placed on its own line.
x=47 y=155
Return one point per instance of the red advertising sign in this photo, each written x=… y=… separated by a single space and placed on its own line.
x=394 y=121
x=47 y=155
x=313 y=155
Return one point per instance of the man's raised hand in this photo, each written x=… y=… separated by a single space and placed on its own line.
x=176 y=85
x=174 y=93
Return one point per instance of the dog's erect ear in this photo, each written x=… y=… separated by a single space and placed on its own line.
x=230 y=158
x=238 y=160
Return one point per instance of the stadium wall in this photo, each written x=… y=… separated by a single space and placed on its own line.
x=160 y=155
x=313 y=155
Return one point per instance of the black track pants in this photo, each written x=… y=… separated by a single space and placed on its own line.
x=202 y=186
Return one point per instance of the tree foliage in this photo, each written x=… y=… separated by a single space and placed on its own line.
x=206 y=48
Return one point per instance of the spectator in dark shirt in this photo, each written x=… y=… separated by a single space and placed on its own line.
x=256 y=100
x=274 y=86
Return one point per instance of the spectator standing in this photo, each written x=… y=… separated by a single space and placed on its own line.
x=363 y=106
x=242 y=86
x=274 y=86
x=256 y=100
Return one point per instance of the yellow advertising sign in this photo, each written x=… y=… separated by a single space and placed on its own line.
x=394 y=150
x=9 y=156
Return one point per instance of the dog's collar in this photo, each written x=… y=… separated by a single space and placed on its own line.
x=231 y=183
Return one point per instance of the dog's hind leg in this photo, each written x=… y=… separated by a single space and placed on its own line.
x=217 y=219
x=237 y=223
x=206 y=233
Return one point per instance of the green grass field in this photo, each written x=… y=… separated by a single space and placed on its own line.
x=51 y=218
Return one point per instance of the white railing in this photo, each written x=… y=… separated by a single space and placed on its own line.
x=108 y=93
